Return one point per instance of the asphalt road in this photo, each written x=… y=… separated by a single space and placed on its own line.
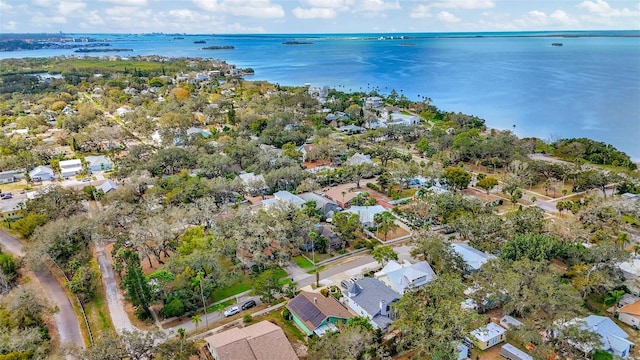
x=66 y=320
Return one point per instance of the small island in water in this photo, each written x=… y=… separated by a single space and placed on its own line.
x=556 y=44
x=222 y=47
x=199 y=42
x=294 y=42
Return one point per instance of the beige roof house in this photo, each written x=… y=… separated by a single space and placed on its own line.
x=261 y=341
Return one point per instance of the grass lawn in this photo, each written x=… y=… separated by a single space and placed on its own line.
x=245 y=283
x=290 y=329
x=302 y=262
x=222 y=305
x=97 y=310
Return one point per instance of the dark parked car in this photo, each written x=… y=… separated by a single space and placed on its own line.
x=249 y=304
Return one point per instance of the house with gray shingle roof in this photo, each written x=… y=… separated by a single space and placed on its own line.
x=372 y=299
x=473 y=258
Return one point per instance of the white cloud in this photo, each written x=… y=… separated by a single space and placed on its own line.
x=419 y=12
x=248 y=8
x=238 y=28
x=42 y=3
x=5 y=7
x=314 y=13
x=562 y=18
x=603 y=9
x=463 y=4
x=537 y=17
x=334 y=4
x=94 y=18
x=124 y=11
x=46 y=20
x=9 y=25
x=127 y=2
x=378 y=6
x=66 y=7
x=448 y=17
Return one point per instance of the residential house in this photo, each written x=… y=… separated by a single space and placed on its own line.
x=511 y=352
x=98 y=163
x=7 y=177
x=70 y=167
x=630 y=314
x=195 y=131
x=283 y=197
x=612 y=338
x=488 y=335
x=326 y=231
x=508 y=322
x=372 y=299
x=473 y=258
x=406 y=276
x=107 y=186
x=373 y=102
x=351 y=129
x=316 y=314
x=304 y=150
x=253 y=184
x=260 y=341
x=631 y=271
x=328 y=207
x=398 y=118
x=366 y=213
x=359 y=159
x=41 y=173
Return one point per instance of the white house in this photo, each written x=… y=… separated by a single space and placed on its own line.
x=398 y=118
x=7 y=177
x=41 y=173
x=372 y=299
x=405 y=276
x=70 y=167
x=366 y=213
x=283 y=197
x=359 y=159
x=373 y=102
x=98 y=163
x=473 y=258
x=488 y=335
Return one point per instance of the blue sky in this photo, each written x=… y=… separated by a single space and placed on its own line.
x=314 y=16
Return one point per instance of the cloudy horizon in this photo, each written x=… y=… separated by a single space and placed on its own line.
x=314 y=16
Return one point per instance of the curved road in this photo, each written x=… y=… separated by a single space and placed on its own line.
x=66 y=320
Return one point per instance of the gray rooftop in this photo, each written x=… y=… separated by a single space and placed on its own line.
x=369 y=292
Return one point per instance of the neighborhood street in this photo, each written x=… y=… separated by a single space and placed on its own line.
x=66 y=320
x=119 y=316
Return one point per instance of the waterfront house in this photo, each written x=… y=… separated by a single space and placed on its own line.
x=316 y=314
x=372 y=299
x=488 y=335
x=260 y=341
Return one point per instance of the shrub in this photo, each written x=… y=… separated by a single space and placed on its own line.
x=373 y=186
x=247 y=319
x=286 y=314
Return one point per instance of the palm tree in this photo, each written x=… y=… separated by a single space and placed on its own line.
x=386 y=223
x=614 y=297
x=636 y=249
x=197 y=319
x=182 y=333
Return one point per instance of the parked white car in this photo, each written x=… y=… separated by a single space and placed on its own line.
x=231 y=311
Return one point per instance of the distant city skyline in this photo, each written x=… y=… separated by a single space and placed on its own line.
x=314 y=16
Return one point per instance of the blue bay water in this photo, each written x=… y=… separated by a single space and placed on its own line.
x=589 y=87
